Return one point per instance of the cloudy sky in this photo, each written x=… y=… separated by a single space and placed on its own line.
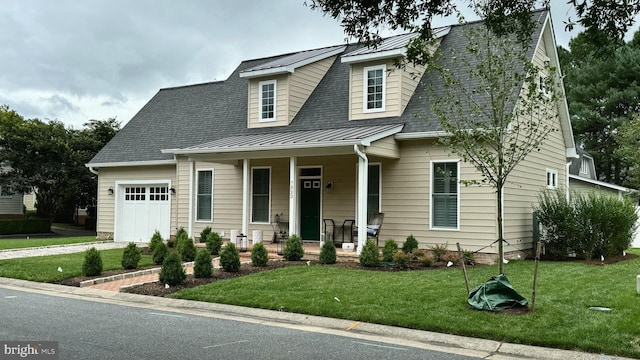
x=78 y=60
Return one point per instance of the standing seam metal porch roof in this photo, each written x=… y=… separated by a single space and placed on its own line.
x=294 y=139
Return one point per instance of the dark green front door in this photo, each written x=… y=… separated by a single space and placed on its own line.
x=310 y=209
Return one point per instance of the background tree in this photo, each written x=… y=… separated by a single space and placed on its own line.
x=363 y=19
x=602 y=82
x=629 y=141
x=47 y=158
x=492 y=120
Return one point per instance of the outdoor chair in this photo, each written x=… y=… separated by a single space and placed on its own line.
x=373 y=226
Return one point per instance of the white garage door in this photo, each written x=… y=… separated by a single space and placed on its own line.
x=142 y=210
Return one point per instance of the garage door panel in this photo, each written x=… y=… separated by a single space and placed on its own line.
x=143 y=210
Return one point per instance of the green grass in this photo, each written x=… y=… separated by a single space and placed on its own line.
x=436 y=301
x=45 y=268
x=37 y=242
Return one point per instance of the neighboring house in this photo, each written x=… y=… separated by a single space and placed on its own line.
x=11 y=206
x=583 y=180
x=317 y=134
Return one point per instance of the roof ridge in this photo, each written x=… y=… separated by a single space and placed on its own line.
x=192 y=85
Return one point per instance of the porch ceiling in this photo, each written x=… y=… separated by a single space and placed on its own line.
x=313 y=142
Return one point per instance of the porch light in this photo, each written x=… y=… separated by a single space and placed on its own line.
x=173 y=190
x=110 y=191
x=329 y=186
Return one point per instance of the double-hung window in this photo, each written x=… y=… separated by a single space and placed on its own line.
x=260 y=194
x=267 y=100
x=374 y=88
x=445 y=189
x=552 y=179
x=204 y=201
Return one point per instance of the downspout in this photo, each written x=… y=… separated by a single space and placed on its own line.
x=192 y=166
x=363 y=167
x=93 y=171
x=567 y=190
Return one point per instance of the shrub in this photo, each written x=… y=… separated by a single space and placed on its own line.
x=468 y=257
x=172 y=272
x=425 y=260
x=451 y=256
x=214 y=243
x=24 y=226
x=204 y=234
x=202 y=268
x=327 y=253
x=390 y=248
x=131 y=256
x=187 y=250
x=370 y=256
x=159 y=253
x=402 y=260
x=293 y=250
x=92 y=264
x=155 y=240
x=259 y=255
x=410 y=245
x=439 y=251
x=181 y=239
x=559 y=219
x=230 y=258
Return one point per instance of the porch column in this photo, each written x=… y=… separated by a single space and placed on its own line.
x=293 y=191
x=245 y=196
x=363 y=185
x=192 y=170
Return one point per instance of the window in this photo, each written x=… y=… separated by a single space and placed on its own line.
x=584 y=167
x=373 y=192
x=260 y=193
x=204 y=201
x=444 y=195
x=135 y=193
x=543 y=86
x=158 y=193
x=267 y=100
x=552 y=179
x=374 y=89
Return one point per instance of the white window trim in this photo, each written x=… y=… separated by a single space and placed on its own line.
x=364 y=88
x=554 y=179
x=379 y=186
x=431 y=180
x=209 y=221
x=275 y=98
x=251 y=195
x=541 y=86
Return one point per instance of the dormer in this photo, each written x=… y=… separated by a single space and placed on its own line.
x=377 y=88
x=279 y=88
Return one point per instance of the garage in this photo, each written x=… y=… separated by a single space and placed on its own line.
x=142 y=209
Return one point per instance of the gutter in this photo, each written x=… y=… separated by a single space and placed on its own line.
x=93 y=170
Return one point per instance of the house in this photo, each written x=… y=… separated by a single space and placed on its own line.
x=331 y=133
x=11 y=206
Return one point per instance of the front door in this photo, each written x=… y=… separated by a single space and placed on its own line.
x=310 y=209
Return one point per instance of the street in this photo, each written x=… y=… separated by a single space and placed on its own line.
x=88 y=329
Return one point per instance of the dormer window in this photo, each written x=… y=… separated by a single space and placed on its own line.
x=267 y=100
x=543 y=86
x=584 y=167
x=374 y=89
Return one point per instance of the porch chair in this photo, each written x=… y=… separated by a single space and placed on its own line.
x=373 y=226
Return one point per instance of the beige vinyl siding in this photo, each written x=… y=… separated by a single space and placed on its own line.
x=581 y=188
x=181 y=218
x=411 y=76
x=405 y=200
x=282 y=102
x=107 y=179
x=392 y=91
x=11 y=205
x=29 y=201
x=303 y=81
x=387 y=147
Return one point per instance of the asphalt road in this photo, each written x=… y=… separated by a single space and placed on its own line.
x=98 y=330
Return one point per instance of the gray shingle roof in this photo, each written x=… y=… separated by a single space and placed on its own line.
x=185 y=116
x=296 y=59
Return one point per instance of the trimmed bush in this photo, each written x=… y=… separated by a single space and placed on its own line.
x=24 y=226
x=293 y=250
x=370 y=256
x=259 y=255
x=439 y=251
x=410 y=245
x=402 y=260
x=172 y=272
x=230 y=258
x=92 y=265
x=559 y=219
x=204 y=234
x=328 y=253
x=425 y=260
x=203 y=267
x=181 y=239
x=214 y=243
x=187 y=250
x=468 y=257
x=159 y=253
x=451 y=256
x=155 y=239
x=131 y=256
x=390 y=248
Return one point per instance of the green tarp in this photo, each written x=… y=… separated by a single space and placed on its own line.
x=496 y=294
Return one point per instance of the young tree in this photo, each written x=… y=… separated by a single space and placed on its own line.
x=493 y=106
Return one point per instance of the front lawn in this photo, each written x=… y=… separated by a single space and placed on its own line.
x=436 y=301
x=45 y=268
x=6 y=244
